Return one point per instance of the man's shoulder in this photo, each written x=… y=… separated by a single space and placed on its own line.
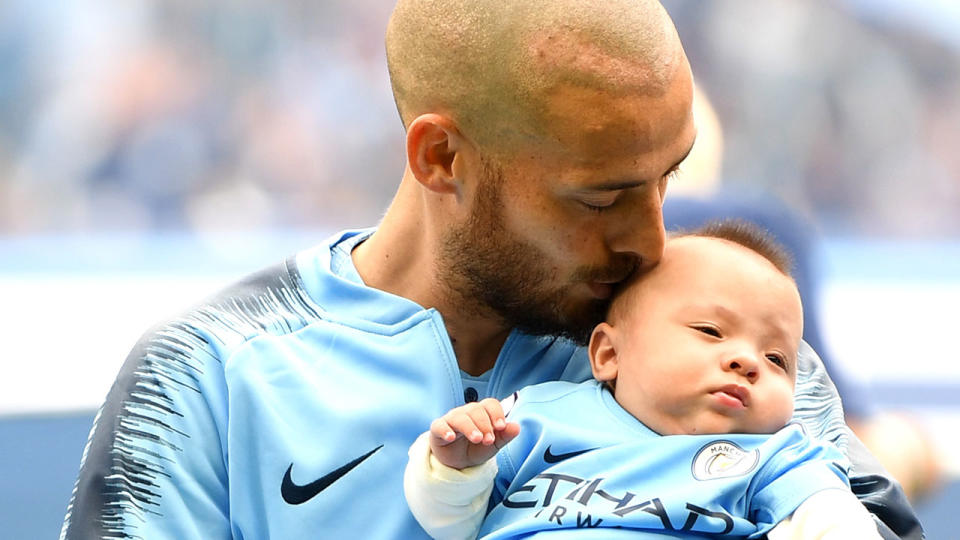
x=816 y=401
x=269 y=301
x=276 y=300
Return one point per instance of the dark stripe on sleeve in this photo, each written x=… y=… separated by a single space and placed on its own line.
x=118 y=483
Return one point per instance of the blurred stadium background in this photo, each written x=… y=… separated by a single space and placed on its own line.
x=152 y=151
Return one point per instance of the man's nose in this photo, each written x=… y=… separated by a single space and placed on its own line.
x=641 y=235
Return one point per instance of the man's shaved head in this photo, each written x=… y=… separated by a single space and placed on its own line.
x=541 y=135
x=498 y=67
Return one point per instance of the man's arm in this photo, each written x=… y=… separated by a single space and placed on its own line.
x=154 y=466
x=881 y=494
x=818 y=408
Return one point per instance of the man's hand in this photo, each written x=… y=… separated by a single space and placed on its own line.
x=471 y=434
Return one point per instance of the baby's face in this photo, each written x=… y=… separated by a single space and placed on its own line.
x=706 y=342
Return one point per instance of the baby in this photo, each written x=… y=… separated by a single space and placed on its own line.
x=685 y=431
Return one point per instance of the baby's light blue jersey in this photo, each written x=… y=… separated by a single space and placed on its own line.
x=283 y=408
x=583 y=466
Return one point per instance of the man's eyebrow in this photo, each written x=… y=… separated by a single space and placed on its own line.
x=629 y=184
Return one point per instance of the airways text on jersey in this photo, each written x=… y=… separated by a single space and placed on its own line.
x=297 y=494
x=563 y=500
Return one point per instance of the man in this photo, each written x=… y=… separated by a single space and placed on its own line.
x=540 y=138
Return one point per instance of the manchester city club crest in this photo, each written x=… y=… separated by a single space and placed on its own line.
x=723 y=459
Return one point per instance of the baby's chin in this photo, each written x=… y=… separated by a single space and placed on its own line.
x=721 y=427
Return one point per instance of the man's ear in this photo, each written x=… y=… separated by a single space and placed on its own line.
x=603 y=353
x=433 y=141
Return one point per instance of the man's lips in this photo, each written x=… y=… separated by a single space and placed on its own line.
x=601 y=290
x=603 y=284
x=734 y=395
x=604 y=287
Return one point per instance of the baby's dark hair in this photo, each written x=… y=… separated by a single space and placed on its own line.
x=748 y=235
x=738 y=231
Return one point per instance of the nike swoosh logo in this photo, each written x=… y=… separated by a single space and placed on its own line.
x=294 y=494
x=550 y=457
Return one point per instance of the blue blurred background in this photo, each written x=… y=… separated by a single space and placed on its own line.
x=153 y=151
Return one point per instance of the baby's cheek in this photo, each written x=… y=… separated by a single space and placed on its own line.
x=785 y=405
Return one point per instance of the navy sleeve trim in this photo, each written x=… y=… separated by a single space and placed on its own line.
x=117 y=486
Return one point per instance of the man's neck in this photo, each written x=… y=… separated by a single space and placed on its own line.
x=476 y=347
x=401 y=258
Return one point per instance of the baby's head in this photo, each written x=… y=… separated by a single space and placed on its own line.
x=707 y=340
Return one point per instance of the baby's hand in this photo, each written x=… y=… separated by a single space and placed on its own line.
x=471 y=434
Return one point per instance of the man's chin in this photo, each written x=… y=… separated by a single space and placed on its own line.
x=576 y=322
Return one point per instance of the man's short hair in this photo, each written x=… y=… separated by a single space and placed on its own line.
x=491 y=65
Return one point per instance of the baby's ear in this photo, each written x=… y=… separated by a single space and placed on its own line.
x=603 y=353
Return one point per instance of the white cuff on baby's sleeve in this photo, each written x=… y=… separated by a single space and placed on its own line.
x=448 y=503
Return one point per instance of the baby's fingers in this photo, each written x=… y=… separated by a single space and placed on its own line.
x=508 y=433
x=494 y=412
x=478 y=423
x=442 y=432
x=480 y=415
x=457 y=422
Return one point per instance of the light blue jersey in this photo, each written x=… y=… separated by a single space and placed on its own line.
x=284 y=406
x=283 y=409
x=584 y=467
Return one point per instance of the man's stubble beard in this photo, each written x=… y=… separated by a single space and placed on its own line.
x=489 y=272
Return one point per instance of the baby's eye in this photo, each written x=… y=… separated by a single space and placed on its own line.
x=708 y=330
x=778 y=360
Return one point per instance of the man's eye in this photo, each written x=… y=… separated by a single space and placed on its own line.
x=668 y=179
x=598 y=204
x=778 y=360
x=673 y=175
x=595 y=207
x=708 y=330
